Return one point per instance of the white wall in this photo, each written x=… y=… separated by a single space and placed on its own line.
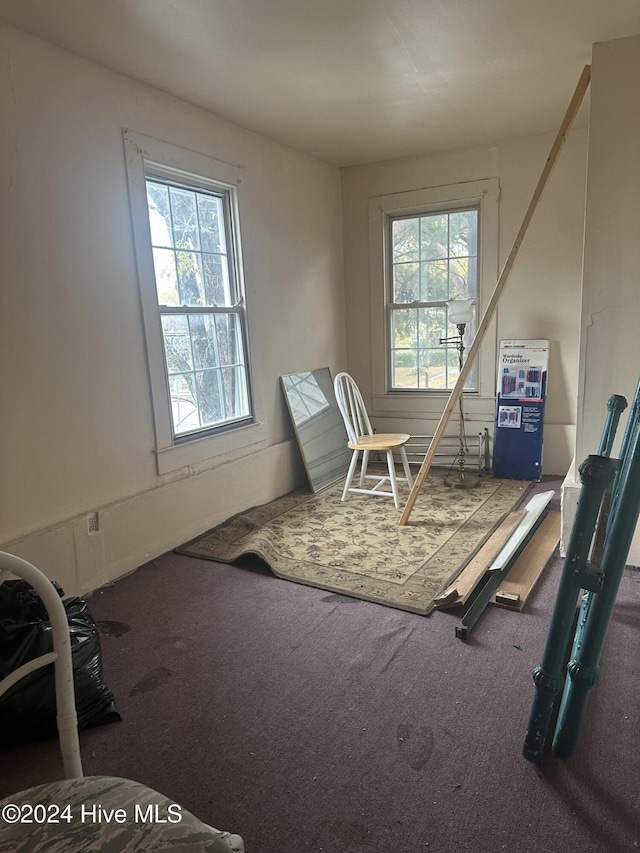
x=542 y=297
x=609 y=362
x=76 y=425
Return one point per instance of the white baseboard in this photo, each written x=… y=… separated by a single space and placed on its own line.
x=137 y=529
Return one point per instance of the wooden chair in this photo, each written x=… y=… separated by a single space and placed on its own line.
x=362 y=439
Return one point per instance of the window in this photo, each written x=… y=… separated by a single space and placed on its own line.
x=201 y=307
x=433 y=258
x=185 y=217
x=428 y=246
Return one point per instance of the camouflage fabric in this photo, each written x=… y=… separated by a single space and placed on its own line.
x=104 y=813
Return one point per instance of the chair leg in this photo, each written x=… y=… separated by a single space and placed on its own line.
x=405 y=465
x=350 y=473
x=363 y=467
x=392 y=478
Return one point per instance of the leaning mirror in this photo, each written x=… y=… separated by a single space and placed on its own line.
x=318 y=425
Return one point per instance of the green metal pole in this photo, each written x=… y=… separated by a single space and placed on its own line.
x=596 y=474
x=616 y=405
x=583 y=668
x=634 y=415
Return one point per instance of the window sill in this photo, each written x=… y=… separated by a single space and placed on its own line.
x=201 y=449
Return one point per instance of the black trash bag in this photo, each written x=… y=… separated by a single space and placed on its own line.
x=28 y=709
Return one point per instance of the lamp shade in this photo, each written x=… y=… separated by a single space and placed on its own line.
x=460 y=311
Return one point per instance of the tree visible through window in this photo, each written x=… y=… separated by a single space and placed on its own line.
x=200 y=304
x=433 y=258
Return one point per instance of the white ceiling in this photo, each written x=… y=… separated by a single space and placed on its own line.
x=348 y=81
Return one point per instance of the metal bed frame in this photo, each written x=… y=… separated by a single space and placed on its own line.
x=191 y=835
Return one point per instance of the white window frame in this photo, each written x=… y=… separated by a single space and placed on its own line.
x=447 y=331
x=484 y=194
x=145 y=157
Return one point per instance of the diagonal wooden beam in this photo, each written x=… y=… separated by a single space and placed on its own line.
x=576 y=101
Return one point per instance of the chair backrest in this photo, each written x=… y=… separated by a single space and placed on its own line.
x=351 y=405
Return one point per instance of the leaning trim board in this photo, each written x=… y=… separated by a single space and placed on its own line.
x=458 y=592
x=535 y=510
x=527 y=569
x=532 y=512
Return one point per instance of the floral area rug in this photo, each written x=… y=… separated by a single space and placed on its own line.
x=357 y=547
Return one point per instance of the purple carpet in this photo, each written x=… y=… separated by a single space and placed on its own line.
x=309 y=721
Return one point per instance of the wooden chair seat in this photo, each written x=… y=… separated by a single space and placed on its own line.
x=379 y=441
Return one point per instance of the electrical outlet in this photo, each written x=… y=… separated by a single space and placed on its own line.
x=93 y=523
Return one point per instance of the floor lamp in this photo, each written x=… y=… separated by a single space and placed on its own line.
x=460 y=312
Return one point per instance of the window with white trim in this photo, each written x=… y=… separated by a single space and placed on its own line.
x=426 y=247
x=185 y=217
x=200 y=303
x=433 y=258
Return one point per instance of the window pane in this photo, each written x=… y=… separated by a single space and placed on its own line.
x=210 y=214
x=235 y=396
x=459 y=285
x=190 y=278
x=472 y=377
x=183 y=403
x=406 y=283
x=159 y=214
x=177 y=343
x=472 y=276
x=404 y=369
x=185 y=219
x=208 y=383
x=222 y=395
x=229 y=339
x=203 y=340
x=404 y=328
x=405 y=234
x=432 y=326
x=470 y=331
x=463 y=233
x=164 y=264
x=435 y=281
x=435 y=368
x=434 y=236
x=453 y=366
x=217 y=289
